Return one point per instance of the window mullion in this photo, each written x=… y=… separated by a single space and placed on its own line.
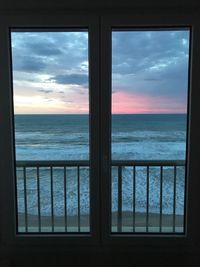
x=105 y=129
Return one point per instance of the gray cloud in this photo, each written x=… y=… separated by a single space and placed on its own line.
x=141 y=50
x=44 y=49
x=28 y=64
x=79 y=79
x=49 y=52
x=152 y=79
x=151 y=62
x=45 y=91
x=48 y=99
x=67 y=101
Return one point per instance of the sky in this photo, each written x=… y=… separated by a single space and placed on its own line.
x=149 y=72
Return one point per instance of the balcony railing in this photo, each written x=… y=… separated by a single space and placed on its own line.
x=54 y=196
x=155 y=197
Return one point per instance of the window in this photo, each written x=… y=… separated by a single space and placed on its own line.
x=88 y=164
x=51 y=107
x=149 y=129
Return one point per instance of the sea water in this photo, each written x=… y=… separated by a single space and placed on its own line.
x=134 y=137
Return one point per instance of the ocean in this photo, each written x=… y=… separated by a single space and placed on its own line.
x=134 y=137
x=66 y=137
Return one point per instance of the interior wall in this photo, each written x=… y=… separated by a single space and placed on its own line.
x=108 y=258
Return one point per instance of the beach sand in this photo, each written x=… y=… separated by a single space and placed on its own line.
x=169 y=224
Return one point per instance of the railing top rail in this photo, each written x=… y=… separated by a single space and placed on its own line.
x=74 y=163
x=51 y=163
x=148 y=162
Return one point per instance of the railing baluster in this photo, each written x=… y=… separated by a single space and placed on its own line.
x=161 y=196
x=52 y=200
x=134 y=190
x=38 y=198
x=78 y=191
x=65 y=198
x=25 y=200
x=174 y=201
x=147 y=196
x=50 y=165
x=119 y=214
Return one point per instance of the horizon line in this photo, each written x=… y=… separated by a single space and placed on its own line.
x=174 y=113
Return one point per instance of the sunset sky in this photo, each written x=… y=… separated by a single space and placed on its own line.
x=149 y=72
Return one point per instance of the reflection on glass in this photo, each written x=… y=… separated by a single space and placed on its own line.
x=51 y=108
x=149 y=129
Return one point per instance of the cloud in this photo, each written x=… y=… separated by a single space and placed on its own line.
x=146 y=62
x=44 y=49
x=67 y=101
x=48 y=99
x=152 y=79
x=138 y=51
x=50 y=52
x=45 y=91
x=79 y=79
x=151 y=62
x=28 y=64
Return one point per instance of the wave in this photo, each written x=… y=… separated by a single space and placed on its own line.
x=127 y=191
x=159 y=139
x=152 y=136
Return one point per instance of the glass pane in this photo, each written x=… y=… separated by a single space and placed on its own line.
x=51 y=111
x=149 y=129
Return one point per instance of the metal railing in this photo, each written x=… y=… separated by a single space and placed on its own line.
x=54 y=171
x=160 y=222
x=28 y=224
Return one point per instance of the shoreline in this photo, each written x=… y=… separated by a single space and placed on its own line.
x=72 y=225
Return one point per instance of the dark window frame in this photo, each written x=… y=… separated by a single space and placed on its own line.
x=51 y=24
x=100 y=81
x=144 y=22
